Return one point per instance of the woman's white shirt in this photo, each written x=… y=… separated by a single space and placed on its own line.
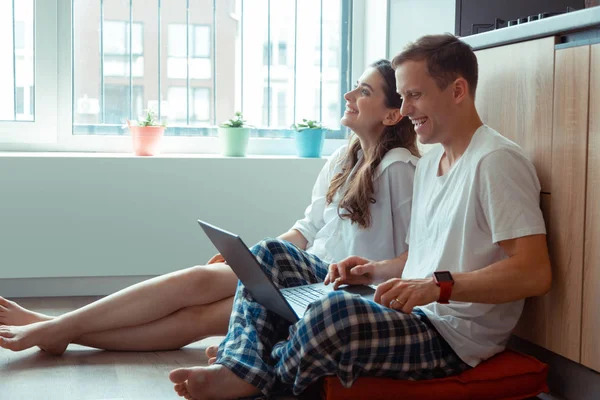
x=332 y=238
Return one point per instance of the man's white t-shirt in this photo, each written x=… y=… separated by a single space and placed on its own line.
x=332 y=238
x=490 y=194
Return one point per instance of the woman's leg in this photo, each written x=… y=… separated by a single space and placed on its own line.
x=137 y=305
x=349 y=336
x=172 y=332
x=244 y=357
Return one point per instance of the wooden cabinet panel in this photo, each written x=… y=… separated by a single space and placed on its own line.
x=567 y=209
x=537 y=317
x=514 y=96
x=590 y=350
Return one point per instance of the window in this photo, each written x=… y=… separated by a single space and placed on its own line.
x=107 y=61
x=20 y=100
x=117 y=99
x=199 y=49
x=19 y=35
x=199 y=105
x=16 y=70
x=275 y=59
x=282 y=53
x=118 y=46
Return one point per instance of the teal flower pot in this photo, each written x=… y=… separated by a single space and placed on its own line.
x=234 y=141
x=309 y=142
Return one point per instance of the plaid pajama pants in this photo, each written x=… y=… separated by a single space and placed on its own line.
x=341 y=334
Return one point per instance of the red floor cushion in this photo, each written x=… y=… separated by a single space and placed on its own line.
x=507 y=376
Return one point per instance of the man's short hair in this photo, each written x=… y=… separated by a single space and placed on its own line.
x=447 y=58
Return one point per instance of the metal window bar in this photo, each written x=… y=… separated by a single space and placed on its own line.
x=241 y=56
x=32 y=97
x=130 y=39
x=346 y=51
x=159 y=63
x=14 y=64
x=295 y=56
x=72 y=65
x=321 y=67
x=214 y=63
x=269 y=50
x=187 y=65
x=102 y=105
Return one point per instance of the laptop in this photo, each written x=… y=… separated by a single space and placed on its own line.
x=290 y=303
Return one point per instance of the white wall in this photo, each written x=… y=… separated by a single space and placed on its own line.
x=79 y=220
x=411 y=19
x=376 y=32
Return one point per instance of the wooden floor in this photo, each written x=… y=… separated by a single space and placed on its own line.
x=88 y=374
x=83 y=373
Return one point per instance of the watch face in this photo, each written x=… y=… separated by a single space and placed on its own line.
x=443 y=276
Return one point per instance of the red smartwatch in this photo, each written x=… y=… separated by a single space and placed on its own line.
x=445 y=281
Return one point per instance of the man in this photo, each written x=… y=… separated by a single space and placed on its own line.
x=477 y=248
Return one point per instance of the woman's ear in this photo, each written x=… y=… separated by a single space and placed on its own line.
x=393 y=117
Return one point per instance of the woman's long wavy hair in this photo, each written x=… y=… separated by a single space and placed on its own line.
x=358 y=195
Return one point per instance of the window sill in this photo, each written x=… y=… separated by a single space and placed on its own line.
x=65 y=154
x=121 y=146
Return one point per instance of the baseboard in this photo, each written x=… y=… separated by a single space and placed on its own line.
x=566 y=379
x=58 y=287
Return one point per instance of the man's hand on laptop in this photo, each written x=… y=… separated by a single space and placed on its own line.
x=357 y=270
x=217 y=258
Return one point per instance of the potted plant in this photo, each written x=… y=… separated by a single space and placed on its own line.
x=310 y=136
x=146 y=134
x=234 y=135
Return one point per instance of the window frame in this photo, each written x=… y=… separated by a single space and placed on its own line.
x=43 y=128
x=52 y=128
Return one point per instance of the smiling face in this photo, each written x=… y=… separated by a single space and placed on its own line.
x=366 y=111
x=431 y=109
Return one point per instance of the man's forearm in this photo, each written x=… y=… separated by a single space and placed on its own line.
x=505 y=281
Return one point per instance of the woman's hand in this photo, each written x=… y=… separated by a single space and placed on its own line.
x=217 y=258
x=353 y=270
x=356 y=270
x=404 y=295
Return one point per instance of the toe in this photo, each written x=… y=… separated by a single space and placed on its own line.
x=4 y=302
x=211 y=351
x=212 y=360
x=180 y=389
x=6 y=333
x=9 y=344
x=179 y=375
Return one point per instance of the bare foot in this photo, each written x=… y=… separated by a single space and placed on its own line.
x=212 y=360
x=214 y=382
x=43 y=334
x=13 y=314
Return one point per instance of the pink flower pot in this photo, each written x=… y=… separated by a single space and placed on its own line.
x=146 y=139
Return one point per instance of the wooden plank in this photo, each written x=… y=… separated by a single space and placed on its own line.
x=537 y=317
x=85 y=373
x=514 y=96
x=567 y=209
x=590 y=351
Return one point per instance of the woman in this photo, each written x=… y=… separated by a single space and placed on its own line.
x=359 y=204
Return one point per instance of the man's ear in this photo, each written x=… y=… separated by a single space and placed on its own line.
x=460 y=90
x=393 y=117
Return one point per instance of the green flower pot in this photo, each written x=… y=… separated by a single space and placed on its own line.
x=234 y=141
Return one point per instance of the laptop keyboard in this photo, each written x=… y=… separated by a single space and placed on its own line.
x=303 y=295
